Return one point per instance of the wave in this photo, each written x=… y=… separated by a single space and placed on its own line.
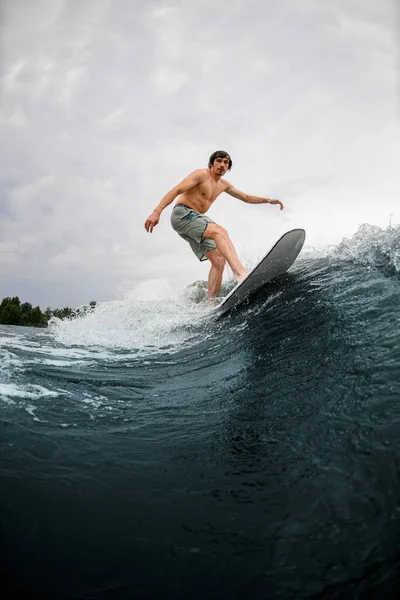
x=257 y=450
x=374 y=247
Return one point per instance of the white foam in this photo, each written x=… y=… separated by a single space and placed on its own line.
x=8 y=360
x=61 y=363
x=46 y=354
x=28 y=391
x=10 y=365
x=152 y=316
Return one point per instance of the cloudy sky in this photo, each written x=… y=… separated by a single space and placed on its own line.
x=106 y=104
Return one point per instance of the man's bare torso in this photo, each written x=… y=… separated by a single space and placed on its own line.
x=201 y=196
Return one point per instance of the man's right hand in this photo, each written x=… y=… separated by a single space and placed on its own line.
x=152 y=221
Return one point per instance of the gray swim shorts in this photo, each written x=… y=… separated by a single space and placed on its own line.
x=191 y=225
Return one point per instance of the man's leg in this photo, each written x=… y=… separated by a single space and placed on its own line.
x=216 y=272
x=225 y=247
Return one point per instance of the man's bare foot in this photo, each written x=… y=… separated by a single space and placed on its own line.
x=212 y=302
x=241 y=278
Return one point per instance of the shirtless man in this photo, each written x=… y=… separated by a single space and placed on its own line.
x=208 y=240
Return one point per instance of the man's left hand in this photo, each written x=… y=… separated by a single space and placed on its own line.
x=276 y=202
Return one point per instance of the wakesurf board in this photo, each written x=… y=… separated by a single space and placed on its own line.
x=276 y=262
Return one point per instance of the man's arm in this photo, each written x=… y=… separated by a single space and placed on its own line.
x=184 y=186
x=232 y=191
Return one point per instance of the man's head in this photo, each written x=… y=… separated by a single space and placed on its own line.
x=220 y=160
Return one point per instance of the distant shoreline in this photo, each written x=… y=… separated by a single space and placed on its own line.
x=13 y=312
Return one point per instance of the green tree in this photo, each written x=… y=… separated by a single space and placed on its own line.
x=4 y=302
x=11 y=314
x=36 y=316
x=26 y=307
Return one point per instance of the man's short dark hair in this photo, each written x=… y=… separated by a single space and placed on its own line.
x=219 y=154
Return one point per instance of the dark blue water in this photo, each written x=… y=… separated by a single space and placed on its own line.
x=149 y=451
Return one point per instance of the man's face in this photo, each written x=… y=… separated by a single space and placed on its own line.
x=221 y=165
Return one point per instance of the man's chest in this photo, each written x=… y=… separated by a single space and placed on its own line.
x=209 y=190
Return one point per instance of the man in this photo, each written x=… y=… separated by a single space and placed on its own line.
x=208 y=240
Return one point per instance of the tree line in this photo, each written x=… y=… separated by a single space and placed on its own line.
x=13 y=312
